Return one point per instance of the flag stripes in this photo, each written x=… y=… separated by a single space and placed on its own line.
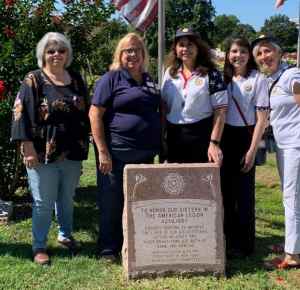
x=140 y=13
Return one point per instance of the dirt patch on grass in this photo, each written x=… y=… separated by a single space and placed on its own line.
x=267 y=176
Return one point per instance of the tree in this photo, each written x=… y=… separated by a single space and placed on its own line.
x=280 y=27
x=224 y=25
x=245 y=31
x=229 y=26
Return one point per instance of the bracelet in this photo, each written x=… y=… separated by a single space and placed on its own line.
x=216 y=142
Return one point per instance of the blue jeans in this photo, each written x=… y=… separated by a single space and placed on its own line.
x=111 y=199
x=53 y=185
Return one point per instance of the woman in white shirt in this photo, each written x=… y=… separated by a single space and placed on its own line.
x=284 y=84
x=195 y=101
x=246 y=120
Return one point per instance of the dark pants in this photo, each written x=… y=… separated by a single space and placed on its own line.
x=188 y=143
x=238 y=190
x=111 y=200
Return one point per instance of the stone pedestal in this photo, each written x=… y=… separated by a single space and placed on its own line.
x=5 y=211
x=173 y=220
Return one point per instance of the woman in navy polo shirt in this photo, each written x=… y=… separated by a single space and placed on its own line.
x=195 y=100
x=126 y=129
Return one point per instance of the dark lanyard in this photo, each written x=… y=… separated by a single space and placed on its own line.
x=237 y=105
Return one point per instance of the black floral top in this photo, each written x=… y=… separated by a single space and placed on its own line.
x=54 y=118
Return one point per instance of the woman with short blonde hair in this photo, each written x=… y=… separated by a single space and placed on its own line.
x=117 y=64
x=126 y=129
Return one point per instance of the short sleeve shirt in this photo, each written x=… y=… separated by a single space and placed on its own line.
x=251 y=94
x=131 y=118
x=193 y=99
x=54 y=118
x=285 y=112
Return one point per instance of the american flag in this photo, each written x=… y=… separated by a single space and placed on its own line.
x=140 y=13
x=279 y=3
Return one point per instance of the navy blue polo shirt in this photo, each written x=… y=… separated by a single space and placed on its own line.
x=131 y=119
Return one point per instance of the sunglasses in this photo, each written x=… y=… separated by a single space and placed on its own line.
x=60 y=51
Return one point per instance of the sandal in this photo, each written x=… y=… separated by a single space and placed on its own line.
x=280 y=264
x=41 y=257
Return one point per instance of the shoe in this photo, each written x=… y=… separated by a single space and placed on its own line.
x=70 y=243
x=41 y=257
x=108 y=256
x=280 y=264
x=276 y=248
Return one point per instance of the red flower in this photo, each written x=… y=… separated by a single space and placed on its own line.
x=9 y=3
x=2 y=89
x=9 y=32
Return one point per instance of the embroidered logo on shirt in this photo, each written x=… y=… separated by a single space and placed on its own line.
x=199 y=82
x=276 y=91
x=248 y=87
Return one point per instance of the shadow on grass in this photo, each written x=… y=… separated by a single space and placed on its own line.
x=18 y=250
x=24 y=251
x=255 y=262
x=86 y=212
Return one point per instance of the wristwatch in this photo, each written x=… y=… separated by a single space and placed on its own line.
x=216 y=142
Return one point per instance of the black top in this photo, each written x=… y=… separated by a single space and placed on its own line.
x=54 y=118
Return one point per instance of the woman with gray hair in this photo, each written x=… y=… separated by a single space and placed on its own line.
x=50 y=122
x=284 y=92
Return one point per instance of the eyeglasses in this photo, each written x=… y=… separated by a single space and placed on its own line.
x=132 y=50
x=60 y=51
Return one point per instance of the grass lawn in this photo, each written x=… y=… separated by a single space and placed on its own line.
x=86 y=272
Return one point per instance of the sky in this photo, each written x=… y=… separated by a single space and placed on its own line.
x=255 y=12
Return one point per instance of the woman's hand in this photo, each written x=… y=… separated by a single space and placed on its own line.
x=249 y=160
x=30 y=157
x=105 y=163
x=215 y=154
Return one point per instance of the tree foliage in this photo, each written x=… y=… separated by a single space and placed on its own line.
x=229 y=26
x=283 y=29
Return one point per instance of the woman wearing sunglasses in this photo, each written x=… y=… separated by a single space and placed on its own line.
x=50 y=122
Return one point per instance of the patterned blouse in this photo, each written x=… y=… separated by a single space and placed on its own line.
x=54 y=118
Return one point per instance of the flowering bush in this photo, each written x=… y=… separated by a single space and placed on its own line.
x=22 y=24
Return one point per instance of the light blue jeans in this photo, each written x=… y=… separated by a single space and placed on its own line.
x=53 y=185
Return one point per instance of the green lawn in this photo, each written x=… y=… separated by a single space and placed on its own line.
x=86 y=272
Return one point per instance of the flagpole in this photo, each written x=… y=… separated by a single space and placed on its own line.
x=298 y=45
x=161 y=39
